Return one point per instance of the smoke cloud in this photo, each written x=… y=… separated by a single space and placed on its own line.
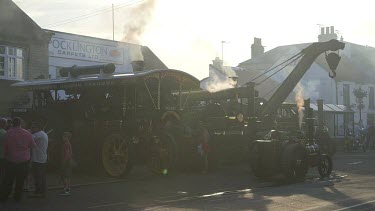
x=219 y=79
x=137 y=20
x=136 y=52
x=216 y=84
x=300 y=103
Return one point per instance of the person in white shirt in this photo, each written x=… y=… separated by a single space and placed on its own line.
x=39 y=159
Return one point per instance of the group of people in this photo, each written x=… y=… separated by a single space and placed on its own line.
x=24 y=152
x=367 y=134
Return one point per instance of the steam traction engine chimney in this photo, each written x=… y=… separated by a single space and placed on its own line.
x=251 y=99
x=138 y=66
x=251 y=127
x=320 y=112
x=136 y=57
x=309 y=122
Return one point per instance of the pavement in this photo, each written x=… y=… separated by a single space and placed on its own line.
x=79 y=179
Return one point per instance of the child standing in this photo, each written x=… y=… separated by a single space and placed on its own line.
x=67 y=162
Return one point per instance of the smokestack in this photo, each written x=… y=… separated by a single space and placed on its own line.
x=257 y=48
x=136 y=57
x=138 y=66
x=322 y=30
x=320 y=112
x=310 y=121
x=332 y=29
x=250 y=99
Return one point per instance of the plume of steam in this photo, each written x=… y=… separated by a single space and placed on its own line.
x=300 y=103
x=137 y=20
x=219 y=80
x=135 y=52
x=215 y=84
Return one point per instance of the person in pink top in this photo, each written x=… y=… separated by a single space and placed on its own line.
x=17 y=147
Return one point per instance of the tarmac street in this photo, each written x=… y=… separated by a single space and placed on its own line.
x=229 y=188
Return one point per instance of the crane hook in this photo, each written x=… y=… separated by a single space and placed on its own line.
x=333 y=75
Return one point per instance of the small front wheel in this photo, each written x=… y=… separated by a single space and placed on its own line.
x=325 y=166
x=163 y=154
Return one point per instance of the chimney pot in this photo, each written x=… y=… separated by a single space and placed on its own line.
x=327 y=30
x=257 y=48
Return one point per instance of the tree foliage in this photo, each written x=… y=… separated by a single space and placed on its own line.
x=359 y=93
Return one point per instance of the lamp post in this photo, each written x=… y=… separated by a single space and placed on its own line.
x=113 y=22
x=359 y=93
x=222 y=50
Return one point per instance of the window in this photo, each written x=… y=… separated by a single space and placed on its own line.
x=346 y=94
x=58 y=72
x=371 y=103
x=11 y=62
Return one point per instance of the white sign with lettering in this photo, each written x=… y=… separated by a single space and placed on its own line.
x=80 y=50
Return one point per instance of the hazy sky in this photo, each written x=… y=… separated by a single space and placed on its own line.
x=187 y=35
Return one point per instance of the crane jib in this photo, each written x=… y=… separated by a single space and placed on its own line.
x=310 y=55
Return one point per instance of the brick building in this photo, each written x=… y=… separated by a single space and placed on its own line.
x=23 y=51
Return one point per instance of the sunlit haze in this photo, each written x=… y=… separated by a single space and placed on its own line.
x=187 y=35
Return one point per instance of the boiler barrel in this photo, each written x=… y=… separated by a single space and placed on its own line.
x=76 y=71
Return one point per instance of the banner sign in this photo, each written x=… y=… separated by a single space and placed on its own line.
x=75 y=49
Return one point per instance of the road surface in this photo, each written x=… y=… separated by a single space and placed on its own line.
x=230 y=188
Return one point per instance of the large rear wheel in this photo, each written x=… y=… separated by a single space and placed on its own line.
x=115 y=155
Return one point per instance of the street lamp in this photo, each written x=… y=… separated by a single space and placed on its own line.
x=222 y=50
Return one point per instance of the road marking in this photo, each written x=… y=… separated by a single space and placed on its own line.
x=180 y=199
x=357 y=205
x=108 y=205
x=356 y=163
x=88 y=184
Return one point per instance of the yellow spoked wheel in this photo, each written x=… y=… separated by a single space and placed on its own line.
x=115 y=155
x=162 y=155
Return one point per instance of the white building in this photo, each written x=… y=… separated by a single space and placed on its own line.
x=356 y=69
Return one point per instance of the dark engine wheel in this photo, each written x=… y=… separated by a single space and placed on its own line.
x=325 y=166
x=256 y=164
x=115 y=155
x=163 y=154
x=294 y=162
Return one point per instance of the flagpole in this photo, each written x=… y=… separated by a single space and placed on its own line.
x=113 y=22
x=222 y=50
